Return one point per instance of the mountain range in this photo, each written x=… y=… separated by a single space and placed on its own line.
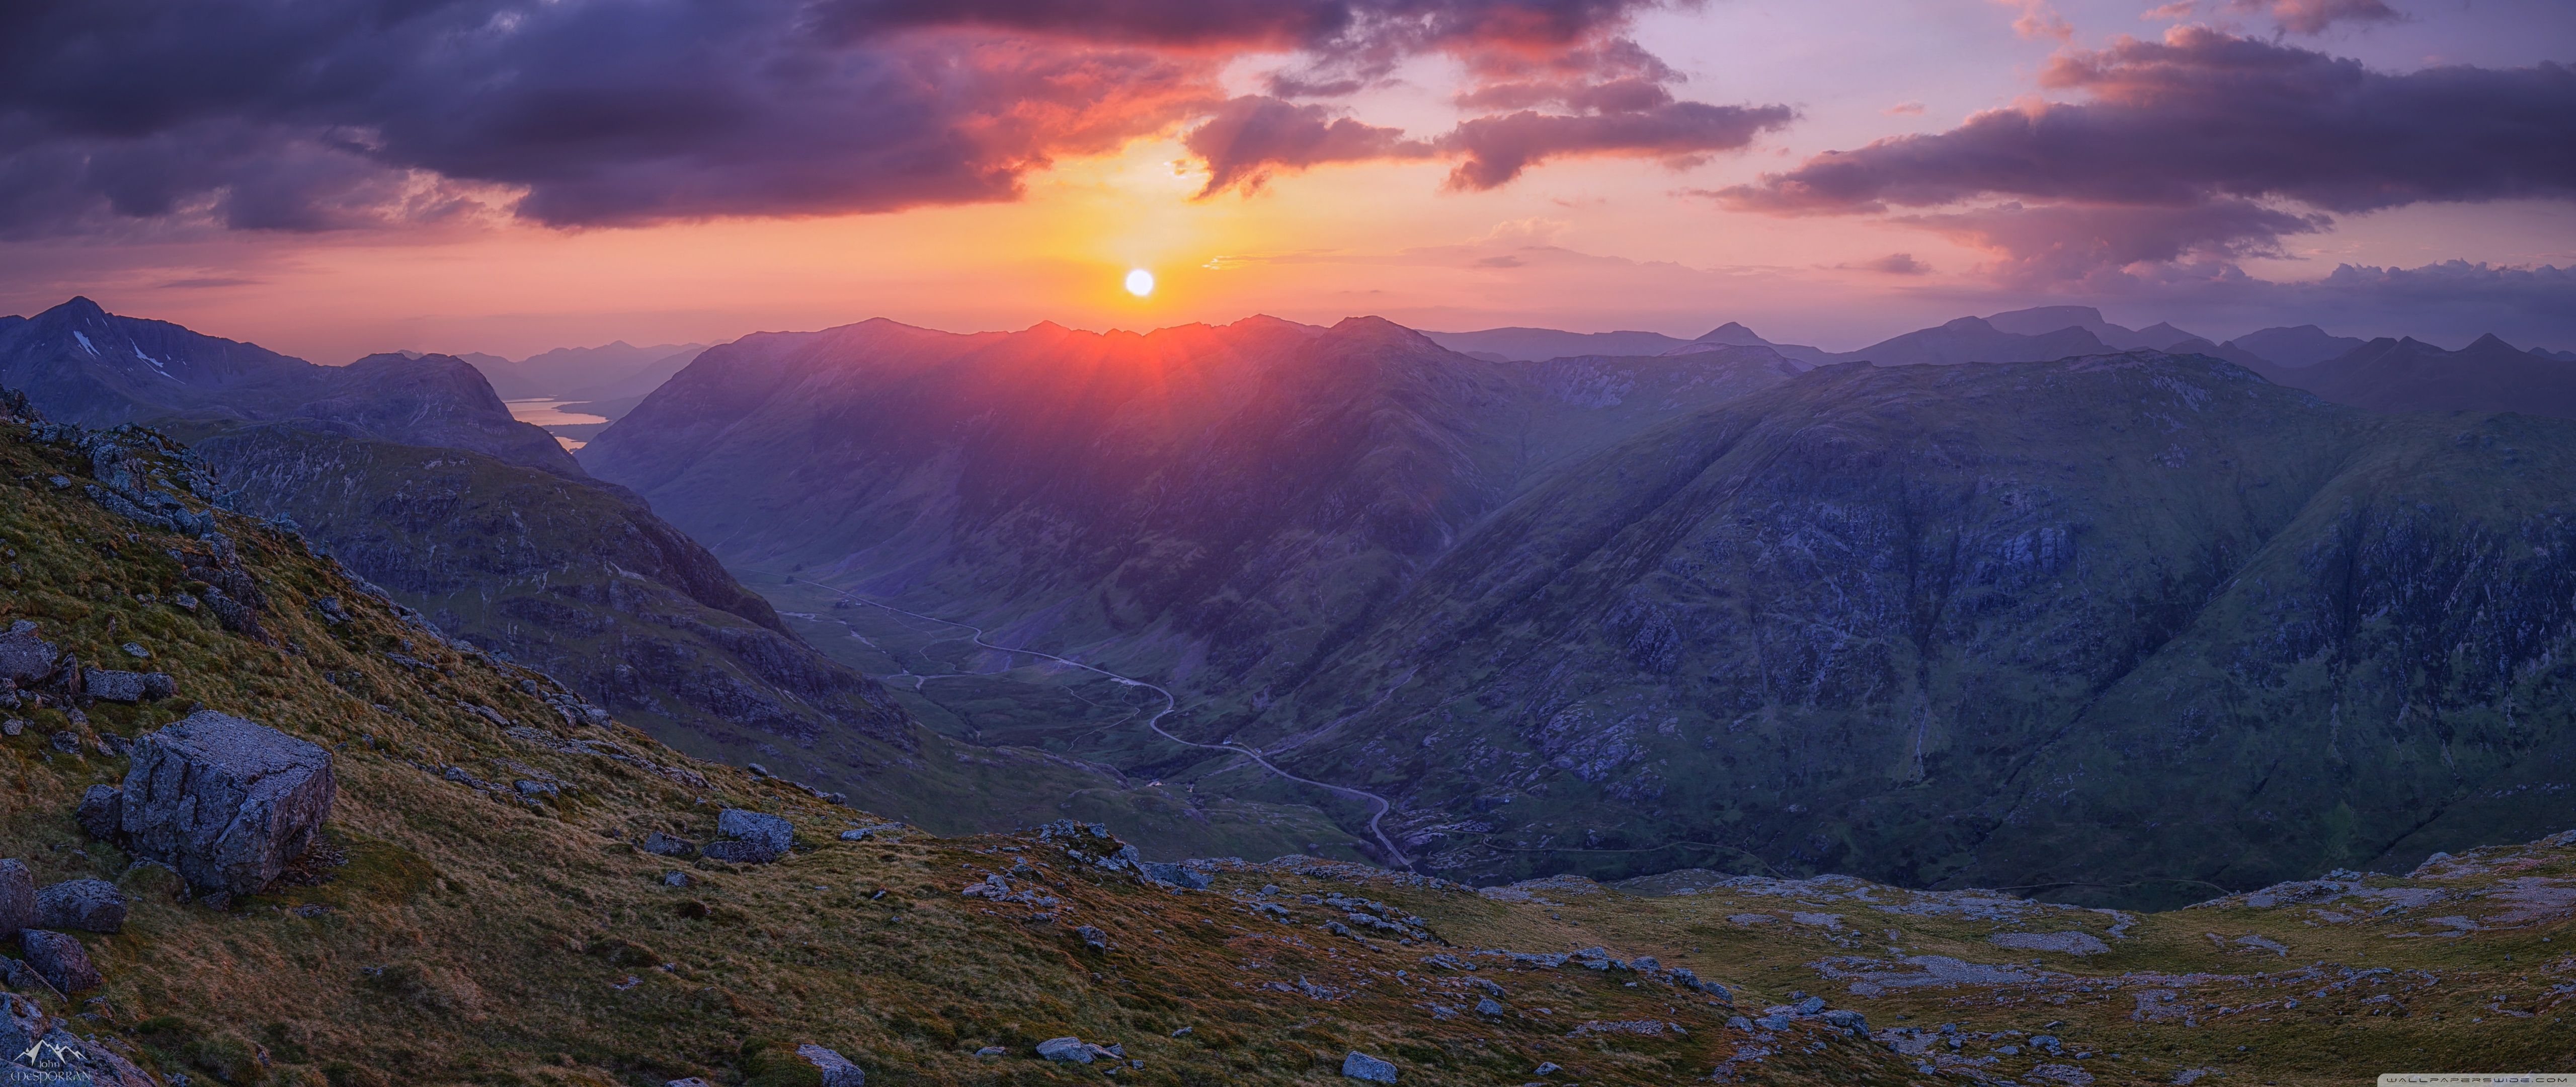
x=2119 y=624
x=1608 y=613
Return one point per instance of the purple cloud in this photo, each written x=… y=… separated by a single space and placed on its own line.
x=320 y=114
x=1253 y=136
x=1499 y=148
x=2193 y=138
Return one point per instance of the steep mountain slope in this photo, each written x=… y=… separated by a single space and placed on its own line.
x=387 y=466
x=482 y=908
x=1227 y=502
x=2025 y=624
x=84 y=365
x=2410 y=375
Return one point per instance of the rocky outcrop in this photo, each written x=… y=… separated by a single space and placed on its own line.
x=226 y=802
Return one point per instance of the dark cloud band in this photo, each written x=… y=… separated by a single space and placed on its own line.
x=2188 y=143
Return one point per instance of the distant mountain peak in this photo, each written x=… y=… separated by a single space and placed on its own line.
x=2490 y=342
x=75 y=308
x=1732 y=332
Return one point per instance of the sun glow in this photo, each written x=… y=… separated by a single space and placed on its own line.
x=1140 y=282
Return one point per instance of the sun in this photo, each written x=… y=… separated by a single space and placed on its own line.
x=1140 y=282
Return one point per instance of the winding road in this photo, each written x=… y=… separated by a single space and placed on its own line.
x=1155 y=722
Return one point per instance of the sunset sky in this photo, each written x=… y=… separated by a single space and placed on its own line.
x=334 y=178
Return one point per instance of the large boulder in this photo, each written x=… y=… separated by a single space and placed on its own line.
x=60 y=958
x=226 y=802
x=90 y=905
x=769 y=832
x=17 y=896
x=836 y=1070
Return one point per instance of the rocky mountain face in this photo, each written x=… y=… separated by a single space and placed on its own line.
x=2020 y=624
x=2410 y=375
x=433 y=865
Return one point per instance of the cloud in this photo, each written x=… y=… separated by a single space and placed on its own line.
x=2072 y=240
x=1895 y=264
x=1252 y=136
x=2314 y=16
x=2039 y=19
x=1590 y=96
x=1905 y=109
x=300 y=115
x=2203 y=143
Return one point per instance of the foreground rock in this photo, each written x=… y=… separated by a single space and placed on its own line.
x=836 y=1070
x=1361 y=1066
x=226 y=802
x=90 y=905
x=60 y=958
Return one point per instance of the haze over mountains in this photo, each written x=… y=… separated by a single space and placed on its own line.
x=1970 y=605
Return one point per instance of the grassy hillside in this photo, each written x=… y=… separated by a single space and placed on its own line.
x=457 y=929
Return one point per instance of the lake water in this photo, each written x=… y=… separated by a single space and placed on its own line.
x=548 y=412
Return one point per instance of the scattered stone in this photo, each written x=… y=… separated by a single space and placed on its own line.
x=664 y=845
x=1546 y=1068
x=1093 y=936
x=17 y=896
x=90 y=905
x=226 y=802
x=1361 y=1066
x=66 y=741
x=14 y=726
x=102 y=809
x=136 y=651
x=865 y=833
x=535 y=789
x=692 y=1081
x=992 y=1051
x=108 y=685
x=2067 y=943
x=1074 y=1050
x=24 y=978
x=676 y=878
x=60 y=958
x=837 y=1071
x=1489 y=1006
x=768 y=832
